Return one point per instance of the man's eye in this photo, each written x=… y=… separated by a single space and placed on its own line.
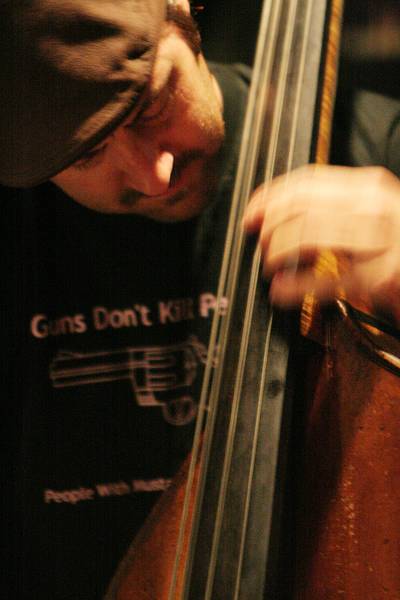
x=153 y=110
x=90 y=159
x=156 y=110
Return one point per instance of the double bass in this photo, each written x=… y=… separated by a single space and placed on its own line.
x=222 y=529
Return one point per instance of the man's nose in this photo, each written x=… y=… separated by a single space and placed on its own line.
x=146 y=167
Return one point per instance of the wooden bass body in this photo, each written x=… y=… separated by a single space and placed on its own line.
x=348 y=539
x=146 y=571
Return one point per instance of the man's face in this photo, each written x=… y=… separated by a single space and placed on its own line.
x=158 y=162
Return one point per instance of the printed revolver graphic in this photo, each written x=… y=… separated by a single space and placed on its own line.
x=159 y=375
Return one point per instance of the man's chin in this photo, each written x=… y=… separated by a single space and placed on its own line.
x=192 y=193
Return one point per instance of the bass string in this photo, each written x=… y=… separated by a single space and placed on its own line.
x=254 y=280
x=283 y=78
x=269 y=51
x=229 y=272
x=255 y=276
x=227 y=282
x=256 y=266
x=253 y=285
x=329 y=80
x=257 y=259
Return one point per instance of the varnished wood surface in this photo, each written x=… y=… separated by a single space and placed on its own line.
x=349 y=513
x=146 y=571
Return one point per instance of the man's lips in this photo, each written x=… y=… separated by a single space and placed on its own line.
x=175 y=192
x=181 y=163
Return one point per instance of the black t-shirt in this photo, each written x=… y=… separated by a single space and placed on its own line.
x=108 y=320
x=366 y=128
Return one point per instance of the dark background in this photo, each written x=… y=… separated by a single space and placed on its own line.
x=229 y=28
x=370 y=37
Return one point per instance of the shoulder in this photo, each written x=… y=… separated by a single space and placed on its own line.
x=375 y=133
x=232 y=78
x=367 y=129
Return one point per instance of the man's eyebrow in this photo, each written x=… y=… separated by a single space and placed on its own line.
x=92 y=152
x=136 y=110
x=142 y=103
x=147 y=97
x=150 y=96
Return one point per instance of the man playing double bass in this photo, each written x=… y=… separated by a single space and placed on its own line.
x=118 y=150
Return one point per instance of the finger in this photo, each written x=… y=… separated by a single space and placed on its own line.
x=341 y=198
x=272 y=194
x=288 y=288
x=297 y=192
x=256 y=210
x=303 y=236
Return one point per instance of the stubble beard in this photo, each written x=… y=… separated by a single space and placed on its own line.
x=188 y=201
x=130 y=197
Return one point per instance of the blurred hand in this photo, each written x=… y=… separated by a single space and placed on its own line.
x=351 y=211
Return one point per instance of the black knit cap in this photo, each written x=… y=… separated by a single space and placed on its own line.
x=70 y=71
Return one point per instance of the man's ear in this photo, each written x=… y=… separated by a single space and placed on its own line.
x=183 y=4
